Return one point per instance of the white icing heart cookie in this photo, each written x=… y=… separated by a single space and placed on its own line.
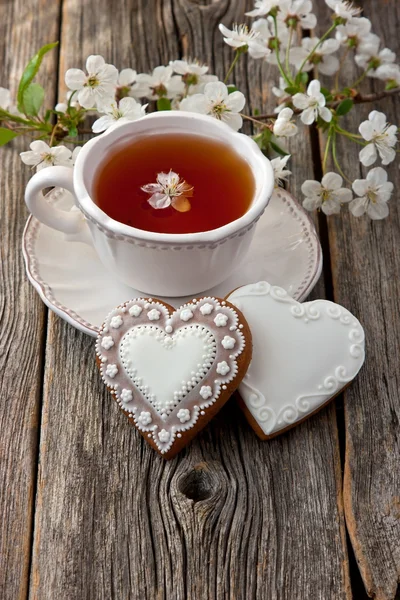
x=172 y=370
x=304 y=354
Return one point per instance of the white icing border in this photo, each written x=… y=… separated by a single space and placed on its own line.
x=193 y=401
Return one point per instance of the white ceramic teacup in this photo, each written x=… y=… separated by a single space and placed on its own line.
x=154 y=263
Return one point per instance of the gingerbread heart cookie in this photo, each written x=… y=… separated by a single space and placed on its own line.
x=169 y=370
x=303 y=356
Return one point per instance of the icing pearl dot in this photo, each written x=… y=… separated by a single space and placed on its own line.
x=183 y=415
x=223 y=368
x=153 y=315
x=223 y=303
x=168 y=329
x=149 y=435
x=111 y=370
x=107 y=342
x=240 y=326
x=186 y=314
x=135 y=310
x=144 y=418
x=232 y=328
x=224 y=387
x=206 y=309
x=179 y=435
x=164 y=436
x=104 y=359
x=126 y=395
x=147 y=305
x=228 y=342
x=205 y=392
x=221 y=320
x=116 y=322
x=202 y=412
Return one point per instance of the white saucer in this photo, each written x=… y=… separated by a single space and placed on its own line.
x=72 y=281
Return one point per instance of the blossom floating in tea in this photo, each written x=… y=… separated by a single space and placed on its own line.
x=169 y=190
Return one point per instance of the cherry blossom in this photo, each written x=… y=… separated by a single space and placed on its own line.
x=370 y=57
x=95 y=87
x=375 y=192
x=280 y=172
x=217 y=103
x=169 y=190
x=128 y=109
x=243 y=37
x=312 y=104
x=322 y=57
x=194 y=75
x=161 y=83
x=41 y=156
x=389 y=72
x=126 y=79
x=283 y=126
x=263 y=7
x=293 y=12
x=353 y=31
x=382 y=138
x=344 y=9
x=328 y=195
x=268 y=39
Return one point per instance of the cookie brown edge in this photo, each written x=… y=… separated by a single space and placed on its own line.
x=263 y=436
x=243 y=361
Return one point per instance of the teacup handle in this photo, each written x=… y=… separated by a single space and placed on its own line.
x=68 y=222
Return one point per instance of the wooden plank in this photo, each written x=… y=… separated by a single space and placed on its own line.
x=365 y=267
x=24 y=27
x=231 y=517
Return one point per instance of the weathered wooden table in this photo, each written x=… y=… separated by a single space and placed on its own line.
x=88 y=511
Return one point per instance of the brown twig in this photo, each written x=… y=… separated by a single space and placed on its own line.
x=358 y=99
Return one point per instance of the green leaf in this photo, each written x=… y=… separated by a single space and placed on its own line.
x=344 y=107
x=278 y=149
x=326 y=93
x=301 y=78
x=29 y=73
x=256 y=112
x=72 y=131
x=6 y=135
x=266 y=135
x=163 y=104
x=291 y=90
x=33 y=99
x=232 y=88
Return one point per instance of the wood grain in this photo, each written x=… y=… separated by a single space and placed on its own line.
x=365 y=267
x=24 y=27
x=231 y=516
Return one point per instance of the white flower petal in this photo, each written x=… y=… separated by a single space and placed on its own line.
x=325 y=114
x=368 y=155
x=367 y=130
x=94 y=62
x=159 y=201
x=377 y=211
x=232 y=119
x=308 y=116
x=343 y=195
x=358 y=206
x=314 y=88
x=236 y=101
x=75 y=79
x=216 y=92
x=387 y=154
x=126 y=77
x=332 y=181
x=102 y=124
x=329 y=65
x=300 y=101
x=378 y=176
x=330 y=207
x=311 y=203
x=40 y=147
x=30 y=158
x=311 y=188
x=360 y=187
x=5 y=98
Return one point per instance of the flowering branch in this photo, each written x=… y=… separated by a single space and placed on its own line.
x=274 y=37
